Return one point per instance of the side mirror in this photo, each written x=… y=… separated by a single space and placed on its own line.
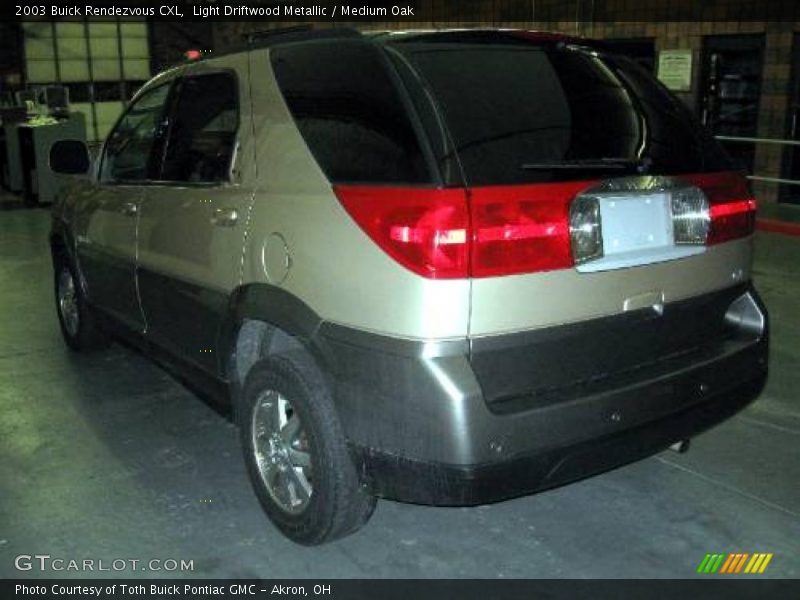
x=69 y=157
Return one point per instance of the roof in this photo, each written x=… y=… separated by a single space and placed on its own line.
x=308 y=33
x=483 y=35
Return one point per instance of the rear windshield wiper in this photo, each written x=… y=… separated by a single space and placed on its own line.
x=640 y=165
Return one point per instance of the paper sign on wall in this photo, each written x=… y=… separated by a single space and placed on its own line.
x=675 y=69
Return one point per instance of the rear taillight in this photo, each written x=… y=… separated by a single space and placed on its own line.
x=507 y=230
x=425 y=230
x=732 y=208
x=522 y=229
x=586 y=229
x=732 y=220
x=452 y=233
x=690 y=216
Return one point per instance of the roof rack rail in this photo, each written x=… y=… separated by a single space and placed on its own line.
x=269 y=37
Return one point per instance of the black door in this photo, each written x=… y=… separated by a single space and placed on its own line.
x=791 y=155
x=732 y=66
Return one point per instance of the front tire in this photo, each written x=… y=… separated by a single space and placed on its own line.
x=296 y=454
x=79 y=327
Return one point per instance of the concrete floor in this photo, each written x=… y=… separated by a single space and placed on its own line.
x=108 y=457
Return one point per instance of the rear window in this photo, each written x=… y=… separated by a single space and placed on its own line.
x=350 y=112
x=525 y=113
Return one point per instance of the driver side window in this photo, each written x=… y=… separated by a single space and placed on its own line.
x=129 y=149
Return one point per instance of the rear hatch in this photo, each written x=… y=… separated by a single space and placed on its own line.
x=596 y=201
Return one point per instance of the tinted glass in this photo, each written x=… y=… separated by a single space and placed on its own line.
x=130 y=148
x=202 y=134
x=524 y=112
x=350 y=112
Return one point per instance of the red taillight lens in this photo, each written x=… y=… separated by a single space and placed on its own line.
x=732 y=206
x=425 y=230
x=521 y=229
x=732 y=220
x=453 y=234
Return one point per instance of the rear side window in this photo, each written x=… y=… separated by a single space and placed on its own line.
x=526 y=113
x=350 y=112
x=202 y=134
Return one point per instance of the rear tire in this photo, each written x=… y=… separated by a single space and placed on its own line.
x=79 y=326
x=296 y=454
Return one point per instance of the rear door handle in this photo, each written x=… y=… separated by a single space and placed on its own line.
x=225 y=217
x=129 y=209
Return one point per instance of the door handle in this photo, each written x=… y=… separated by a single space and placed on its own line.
x=129 y=209
x=225 y=217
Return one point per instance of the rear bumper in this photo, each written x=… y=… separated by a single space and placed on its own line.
x=462 y=485
x=423 y=429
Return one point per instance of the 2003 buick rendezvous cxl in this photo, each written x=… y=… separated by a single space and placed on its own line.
x=443 y=267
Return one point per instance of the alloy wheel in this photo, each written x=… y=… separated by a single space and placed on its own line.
x=68 y=302
x=282 y=452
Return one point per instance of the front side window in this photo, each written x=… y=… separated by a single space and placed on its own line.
x=202 y=135
x=130 y=149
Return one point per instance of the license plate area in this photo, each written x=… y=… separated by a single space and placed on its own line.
x=637 y=230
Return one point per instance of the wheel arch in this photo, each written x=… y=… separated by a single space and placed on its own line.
x=264 y=320
x=62 y=247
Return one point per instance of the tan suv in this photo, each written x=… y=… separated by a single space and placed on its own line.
x=446 y=268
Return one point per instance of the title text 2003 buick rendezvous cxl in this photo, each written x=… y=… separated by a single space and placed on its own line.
x=446 y=267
